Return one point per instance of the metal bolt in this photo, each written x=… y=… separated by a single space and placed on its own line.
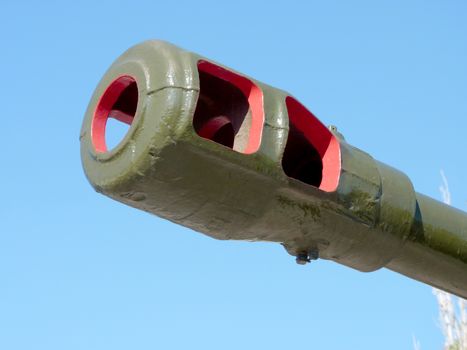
x=302 y=258
x=305 y=257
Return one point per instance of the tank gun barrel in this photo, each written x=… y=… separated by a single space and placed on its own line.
x=219 y=152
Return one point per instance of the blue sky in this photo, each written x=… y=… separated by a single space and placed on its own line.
x=79 y=271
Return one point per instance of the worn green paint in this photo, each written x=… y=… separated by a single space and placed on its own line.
x=374 y=219
x=306 y=209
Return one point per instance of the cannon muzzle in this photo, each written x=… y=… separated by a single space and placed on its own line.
x=226 y=155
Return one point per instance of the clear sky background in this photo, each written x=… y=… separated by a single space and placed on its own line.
x=80 y=271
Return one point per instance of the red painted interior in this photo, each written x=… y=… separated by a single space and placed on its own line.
x=212 y=126
x=255 y=99
x=322 y=140
x=111 y=105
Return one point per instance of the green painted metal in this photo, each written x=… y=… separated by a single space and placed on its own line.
x=373 y=219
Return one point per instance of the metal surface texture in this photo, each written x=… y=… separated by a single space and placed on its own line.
x=231 y=157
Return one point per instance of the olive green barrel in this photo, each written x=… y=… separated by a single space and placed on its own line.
x=436 y=252
x=221 y=153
